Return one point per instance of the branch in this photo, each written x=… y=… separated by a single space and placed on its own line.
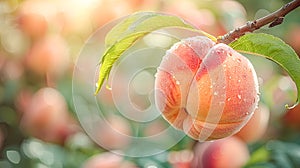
x=272 y=19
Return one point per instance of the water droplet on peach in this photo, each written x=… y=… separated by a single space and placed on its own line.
x=239 y=96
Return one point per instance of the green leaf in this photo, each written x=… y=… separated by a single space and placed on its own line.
x=261 y=165
x=127 y=32
x=259 y=155
x=284 y=154
x=125 y=27
x=272 y=48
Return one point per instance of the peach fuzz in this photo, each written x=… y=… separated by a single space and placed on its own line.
x=46 y=116
x=257 y=125
x=208 y=90
x=229 y=152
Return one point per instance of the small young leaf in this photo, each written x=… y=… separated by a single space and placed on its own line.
x=272 y=48
x=124 y=34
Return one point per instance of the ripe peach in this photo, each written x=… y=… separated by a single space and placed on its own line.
x=113 y=133
x=257 y=125
x=229 y=152
x=34 y=17
x=208 y=90
x=293 y=38
x=46 y=116
x=22 y=100
x=107 y=160
x=48 y=55
x=33 y=24
x=181 y=159
x=292 y=118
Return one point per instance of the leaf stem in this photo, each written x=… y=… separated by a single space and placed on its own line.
x=273 y=19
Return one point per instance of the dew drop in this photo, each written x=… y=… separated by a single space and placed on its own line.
x=239 y=96
x=210 y=86
x=215 y=93
x=239 y=81
x=228 y=99
x=177 y=82
x=230 y=77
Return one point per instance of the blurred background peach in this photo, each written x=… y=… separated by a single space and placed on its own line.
x=39 y=43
